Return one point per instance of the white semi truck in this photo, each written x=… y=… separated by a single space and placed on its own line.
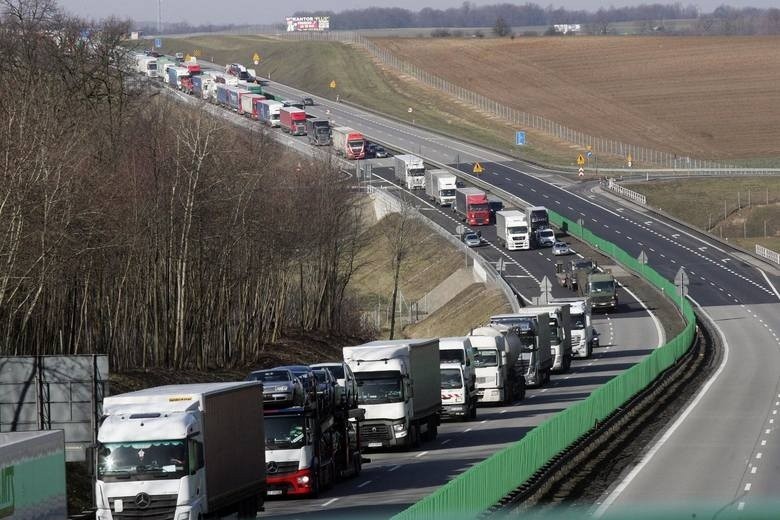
x=399 y=387
x=560 y=332
x=410 y=171
x=584 y=337
x=512 y=230
x=498 y=362
x=458 y=351
x=146 y=65
x=185 y=452
x=456 y=398
x=534 y=335
x=440 y=186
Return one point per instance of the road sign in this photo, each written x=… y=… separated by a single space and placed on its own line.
x=629 y=160
x=642 y=258
x=581 y=173
x=580 y=160
x=519 y=138
x=460 y=229
x=410 y=110
x=589 y=154
x=589 y=147
x=478 y=168
x=681 y=281
x=197 y=53
x=157 y=43
x=256 y=58
x=333 y=84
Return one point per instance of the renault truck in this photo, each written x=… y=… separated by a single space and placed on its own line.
x=348 y=142
x=399 y=387
x=185 y=452
x=440 y=186
x=459 y=353
x=512 y=230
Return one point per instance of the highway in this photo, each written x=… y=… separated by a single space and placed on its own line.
x=722 y=453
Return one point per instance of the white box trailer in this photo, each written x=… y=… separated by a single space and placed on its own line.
x=534 y=335
x=512 y=230
x=157 y=445
x=399 y=386
x=560 y=332
x=440 y=186
x=410 y=171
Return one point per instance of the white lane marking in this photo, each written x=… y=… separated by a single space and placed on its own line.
x=329 y=502
x=740 y=506
x=421 y=454
x=768 y=431
x=666 y=436
x=483 y=422
x=394 y=468
x=502 y=411
x=748 y=486
x=763 y=443
x=753 y=470
x=445 y=441
x=758 y=455
x=367 y=482
x=467 y=430
x=769 y=282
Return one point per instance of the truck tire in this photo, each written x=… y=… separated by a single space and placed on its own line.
x=248 y=508
x=521 y=391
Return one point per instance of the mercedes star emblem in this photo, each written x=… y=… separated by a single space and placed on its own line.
x=271 y=467
x=142 y=500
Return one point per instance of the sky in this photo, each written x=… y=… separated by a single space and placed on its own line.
x=241 y=12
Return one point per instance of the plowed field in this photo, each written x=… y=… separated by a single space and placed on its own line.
x=707 y=97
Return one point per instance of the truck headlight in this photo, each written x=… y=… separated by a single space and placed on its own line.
x=399 y=427
x=184 y=515
x=303 y=480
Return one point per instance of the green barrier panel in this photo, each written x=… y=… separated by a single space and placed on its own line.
x=487 y=482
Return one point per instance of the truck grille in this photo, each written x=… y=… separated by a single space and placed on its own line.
x=146 y=507
x=280 y=468
x=374 y=432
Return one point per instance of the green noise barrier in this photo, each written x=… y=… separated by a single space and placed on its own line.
x=486 y=483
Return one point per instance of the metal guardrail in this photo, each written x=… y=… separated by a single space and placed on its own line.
x=626 y=193
x=768 y=254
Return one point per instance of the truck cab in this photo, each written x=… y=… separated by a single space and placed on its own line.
x=497 y=362
x=601 y=289
x=584 y=337
x=458 y=351
x=534 y=336
x=456 y=401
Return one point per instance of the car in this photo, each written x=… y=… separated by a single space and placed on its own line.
x=326 y=387
x=179 y=56
x=294 y=104
x=561 y=248
x=307 y=101
x=306 y=375
x=545 y=237
x=473 y=239
x=370 y=150
x=380 y=152
x=280 y=387
x=346 y=391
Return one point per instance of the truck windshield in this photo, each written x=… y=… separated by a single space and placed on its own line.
x=578 y=321
x=486 y=358
x=539 y=216
x=451 y=355
x=602 y=287
x=356 y=146
x=450 y=378
x=379 y=388
x=152 y=66
x=415 y=172
x=447 y=193
x=284 y=432
x=479 y=207
x=518 y=230
x=528 y=342
x=147 y=460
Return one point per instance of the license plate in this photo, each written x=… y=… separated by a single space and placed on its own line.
x=374 y=444
x=274 y=492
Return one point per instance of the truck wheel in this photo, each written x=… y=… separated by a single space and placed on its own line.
x=473 y=411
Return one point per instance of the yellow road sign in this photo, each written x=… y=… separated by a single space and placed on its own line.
x=333 y=84
x=580 y=160
x=256 y=57
x=188 y=58
x=478 y=168
x=197 y=53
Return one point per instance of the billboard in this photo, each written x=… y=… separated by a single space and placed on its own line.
x=308 y=23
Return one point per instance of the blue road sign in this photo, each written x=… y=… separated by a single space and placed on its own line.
x=590 y=154
x=519 y=138
x=157 y=43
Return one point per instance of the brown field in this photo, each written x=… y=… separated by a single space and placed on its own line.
x=709 y=98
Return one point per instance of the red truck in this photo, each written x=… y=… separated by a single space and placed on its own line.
x=473 y=206
x=194 y=69
x=348 y=142
x=292 y=120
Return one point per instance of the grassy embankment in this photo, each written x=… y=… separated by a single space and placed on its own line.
x=748 y=203
x=312 y=65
